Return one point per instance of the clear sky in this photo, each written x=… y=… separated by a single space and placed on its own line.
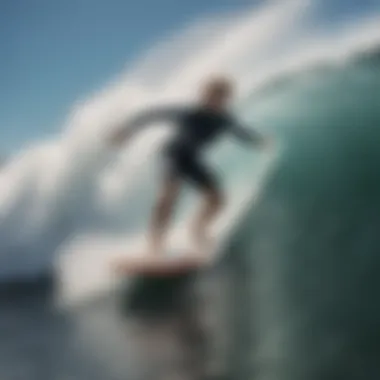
x=54 y=52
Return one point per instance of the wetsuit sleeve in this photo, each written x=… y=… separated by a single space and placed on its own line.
x=143 y=119
x=153 y=115
x=243 y=133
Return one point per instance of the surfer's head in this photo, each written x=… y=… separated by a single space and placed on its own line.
x=217 y=92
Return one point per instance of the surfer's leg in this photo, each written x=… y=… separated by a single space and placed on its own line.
x=211 y=202
x=162 y=212
x=211 y=205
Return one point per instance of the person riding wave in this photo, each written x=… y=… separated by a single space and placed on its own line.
x=198 y=126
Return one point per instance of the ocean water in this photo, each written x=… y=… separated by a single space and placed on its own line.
x=107 y=337
x=313 y=235
x=299 y=269
x=303 y=260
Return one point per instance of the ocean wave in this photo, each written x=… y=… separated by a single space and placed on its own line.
x=369 y=57
x=65 y=190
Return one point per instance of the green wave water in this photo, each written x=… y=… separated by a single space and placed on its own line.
x=312 y=240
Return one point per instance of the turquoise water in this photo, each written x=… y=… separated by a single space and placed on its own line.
x=312 y=239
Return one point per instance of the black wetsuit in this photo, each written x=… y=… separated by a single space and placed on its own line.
x=197 y=128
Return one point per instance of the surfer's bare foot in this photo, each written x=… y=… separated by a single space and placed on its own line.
x=155 y=249
x=202 y=243
x=119 y=266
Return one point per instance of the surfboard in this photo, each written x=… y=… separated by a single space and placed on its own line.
x=150 y=265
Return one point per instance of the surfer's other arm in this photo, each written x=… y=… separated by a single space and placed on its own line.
x=142 y=120
x=249 y=135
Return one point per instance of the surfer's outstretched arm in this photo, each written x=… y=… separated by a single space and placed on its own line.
x=248 y=135
x=143 y=119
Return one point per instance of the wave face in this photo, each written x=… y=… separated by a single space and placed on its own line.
x=313 y=233
x=73 y=198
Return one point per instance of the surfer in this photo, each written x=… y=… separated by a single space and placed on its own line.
x=197 y=127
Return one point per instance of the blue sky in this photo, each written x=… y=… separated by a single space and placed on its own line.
x=54 y=52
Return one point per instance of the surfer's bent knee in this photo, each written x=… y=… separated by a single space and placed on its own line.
x=215 y=197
